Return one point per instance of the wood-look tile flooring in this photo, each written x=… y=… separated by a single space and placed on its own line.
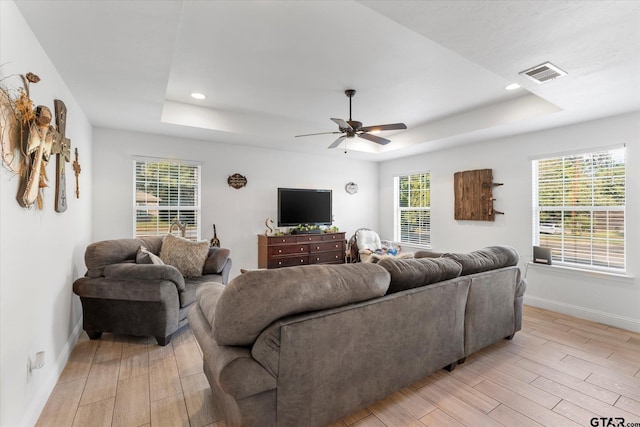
x=557 y=371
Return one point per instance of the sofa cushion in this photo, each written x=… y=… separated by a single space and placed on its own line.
x=100 y=254
x=252 y=301
x=144 y=256
x=187 y=256
x=411 y=273
x=489 y=258
x=216 y=260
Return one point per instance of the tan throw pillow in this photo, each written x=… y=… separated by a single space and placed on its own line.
x=144 y=256
x=187 y=256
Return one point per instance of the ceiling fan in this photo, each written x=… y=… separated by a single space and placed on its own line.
x=352 y=128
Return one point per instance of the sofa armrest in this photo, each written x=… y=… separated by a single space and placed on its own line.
x=225 y=271
x=145 y=272
x=427 y=254
x=162 y=291
x=216 y=260
x=521 y=287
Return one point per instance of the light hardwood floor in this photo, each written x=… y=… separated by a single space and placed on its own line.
x=557 y=371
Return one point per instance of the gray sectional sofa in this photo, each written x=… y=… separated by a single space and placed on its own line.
x=305 y=346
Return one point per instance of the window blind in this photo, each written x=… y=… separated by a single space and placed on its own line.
x=579 y=208
x=164 y=191
x=413 y=209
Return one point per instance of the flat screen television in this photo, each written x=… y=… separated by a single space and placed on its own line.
x=303 y=206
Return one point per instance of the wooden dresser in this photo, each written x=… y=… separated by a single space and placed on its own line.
x=300 y=249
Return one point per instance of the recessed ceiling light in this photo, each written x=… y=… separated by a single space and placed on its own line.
x=197 y=95
x=512 y=86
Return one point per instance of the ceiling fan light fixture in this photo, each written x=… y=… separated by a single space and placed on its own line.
x=352 y=128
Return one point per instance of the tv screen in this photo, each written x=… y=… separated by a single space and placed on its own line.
x=301 y=206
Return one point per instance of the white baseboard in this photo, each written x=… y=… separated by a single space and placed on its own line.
x=623 y=322
x=37 y=405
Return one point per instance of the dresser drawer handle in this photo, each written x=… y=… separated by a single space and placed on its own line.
x=317 y=247
x=317 y=259
x=336 y=246
x=302 y=249
x=279 y=262
x=279 y=251
x=302 y=260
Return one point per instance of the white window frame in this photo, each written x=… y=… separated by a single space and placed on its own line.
x=195 y=208
x=426 y=243
x=559 y=254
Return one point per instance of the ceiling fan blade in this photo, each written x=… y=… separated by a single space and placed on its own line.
x=321 y=133
x=342 y=124
x=373 y=138
x=392 y=126
x=337 y=142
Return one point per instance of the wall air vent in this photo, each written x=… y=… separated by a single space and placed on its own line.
x=543 y=73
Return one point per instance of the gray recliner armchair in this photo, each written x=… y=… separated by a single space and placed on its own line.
x=121 y=296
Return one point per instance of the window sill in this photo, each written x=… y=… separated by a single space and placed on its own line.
x=414 y=246
x=574 y=271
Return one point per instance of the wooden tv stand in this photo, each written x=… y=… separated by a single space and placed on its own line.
x=300 y=249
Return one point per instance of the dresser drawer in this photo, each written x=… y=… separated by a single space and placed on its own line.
x=288 y=262
x=282 y=240
x=326 y=246
x=309 y=238
x=332 y=237
x=327 y=257
x=288 y=250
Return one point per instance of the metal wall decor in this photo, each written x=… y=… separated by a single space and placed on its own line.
x=76 y=171
x=237 y=181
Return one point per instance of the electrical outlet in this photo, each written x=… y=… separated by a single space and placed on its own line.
x=36 y=363
x=39 y=360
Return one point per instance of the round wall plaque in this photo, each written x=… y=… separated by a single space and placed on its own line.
x=237 y=181
x=351 y=188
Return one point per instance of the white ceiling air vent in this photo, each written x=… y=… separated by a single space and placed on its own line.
x=544 y=72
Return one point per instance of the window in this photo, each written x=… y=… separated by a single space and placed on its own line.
x=164 y=191
x=579 y=208
x=413 y=209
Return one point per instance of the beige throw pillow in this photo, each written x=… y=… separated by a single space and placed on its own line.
x=187 y=256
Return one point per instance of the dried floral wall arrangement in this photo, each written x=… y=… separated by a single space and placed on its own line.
x=28 y=139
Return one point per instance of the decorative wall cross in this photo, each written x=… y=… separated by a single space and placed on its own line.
x=76 y=170
x=63 y=154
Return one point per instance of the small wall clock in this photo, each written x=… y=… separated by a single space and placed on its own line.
x=351 y=188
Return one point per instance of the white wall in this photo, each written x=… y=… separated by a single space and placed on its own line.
x=603 y=298
x=41 y=252
x=239 y=215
